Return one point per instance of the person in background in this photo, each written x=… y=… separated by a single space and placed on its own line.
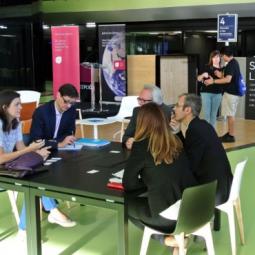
x=150 y=93
x=230 y=86
x=158 y=164
x=211 y=95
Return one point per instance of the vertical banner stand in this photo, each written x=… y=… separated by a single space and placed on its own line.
x=100 y=70
x=92 y=87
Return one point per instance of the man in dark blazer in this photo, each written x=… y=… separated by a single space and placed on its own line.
x=55 y=120
x=150 y=93
x=206 y=154
x=204 y=149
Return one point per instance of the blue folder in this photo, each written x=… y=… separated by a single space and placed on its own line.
x=93 y=142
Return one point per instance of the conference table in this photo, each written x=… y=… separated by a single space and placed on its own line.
x=79 y=176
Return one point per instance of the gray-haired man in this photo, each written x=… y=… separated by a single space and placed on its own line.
x=149 y=93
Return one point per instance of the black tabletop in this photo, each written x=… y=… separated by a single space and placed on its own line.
x=70 y=174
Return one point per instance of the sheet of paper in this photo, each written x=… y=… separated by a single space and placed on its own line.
x=71 y=147
x=93 y=171
x=119 y=174
x=56 y=158
x=114 y=151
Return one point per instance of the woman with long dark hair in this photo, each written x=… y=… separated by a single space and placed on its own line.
x=10 y=129
x=12 y=147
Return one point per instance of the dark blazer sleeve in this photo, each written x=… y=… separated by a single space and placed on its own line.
x=130 y=130
x=133 y=169
x=40 y=128
x=195 y=147
x=67 y=124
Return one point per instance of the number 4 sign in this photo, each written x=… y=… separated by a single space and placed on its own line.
x=227 y=27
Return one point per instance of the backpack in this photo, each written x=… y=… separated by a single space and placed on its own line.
x=241 y=86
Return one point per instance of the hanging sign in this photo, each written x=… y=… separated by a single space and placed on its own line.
x=227 y=28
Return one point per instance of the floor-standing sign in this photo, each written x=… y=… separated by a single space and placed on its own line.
x=227 y=28
x=112 y=59
x=250 y=89
x=65 y=56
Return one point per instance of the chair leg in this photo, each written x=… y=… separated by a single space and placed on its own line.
x=206 y=233
x=180 y=240
x=12 y=198
x=145 y=241
x=82 y=131
x=217 y=220
x=81 y=126
x=209 y=240
x=122 y=130
x=68 y=204
x=231 y=222
x=239 y=216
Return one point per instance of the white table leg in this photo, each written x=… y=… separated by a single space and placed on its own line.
x=95 y=132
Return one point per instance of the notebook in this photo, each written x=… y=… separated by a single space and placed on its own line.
x=93 y=142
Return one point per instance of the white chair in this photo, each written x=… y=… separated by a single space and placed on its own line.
x=128 y=103
x=234 y=202
x=193 y=214
x=27 y=96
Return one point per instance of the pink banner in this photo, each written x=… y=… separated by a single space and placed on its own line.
x=65 y=56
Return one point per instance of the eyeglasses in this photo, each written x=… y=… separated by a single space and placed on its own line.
x=141 y=100
x=68 y=102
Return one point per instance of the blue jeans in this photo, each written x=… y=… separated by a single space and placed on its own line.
x=211 y=103
x=48 y=204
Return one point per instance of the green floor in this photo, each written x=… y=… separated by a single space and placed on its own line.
x=96 y=232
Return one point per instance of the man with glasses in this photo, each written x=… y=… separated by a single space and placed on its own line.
x=55 y=120
x=150 y=93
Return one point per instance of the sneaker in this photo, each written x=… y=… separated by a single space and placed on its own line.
x=68 y=223
x=227 y=138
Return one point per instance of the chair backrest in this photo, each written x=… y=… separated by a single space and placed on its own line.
x=197 y=208
x=27 y=96
x=26 y=116
x=236 y=183
x=27 y=110
x=128 y=103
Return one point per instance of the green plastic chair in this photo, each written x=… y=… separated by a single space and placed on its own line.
x=193 y=214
